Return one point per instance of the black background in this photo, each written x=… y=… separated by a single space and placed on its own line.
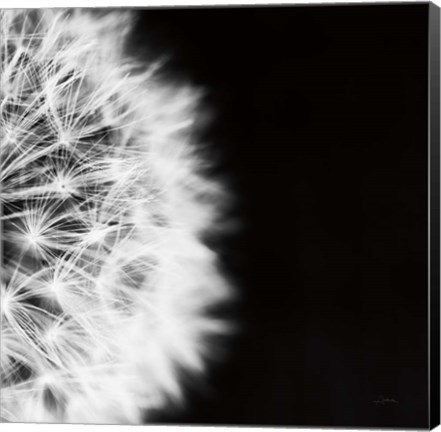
x=321 y=125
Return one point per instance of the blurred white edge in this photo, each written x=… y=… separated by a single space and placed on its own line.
x=21 y=427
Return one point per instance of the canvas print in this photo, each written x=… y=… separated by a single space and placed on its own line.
x=220 y=215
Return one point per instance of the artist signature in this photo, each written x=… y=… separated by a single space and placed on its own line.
x=381 y=400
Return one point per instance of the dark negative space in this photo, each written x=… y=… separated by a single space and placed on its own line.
x=321 y=125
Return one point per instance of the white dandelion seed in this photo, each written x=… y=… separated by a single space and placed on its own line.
x=105 y=283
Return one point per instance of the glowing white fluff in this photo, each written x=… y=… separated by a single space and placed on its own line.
x=105 y=282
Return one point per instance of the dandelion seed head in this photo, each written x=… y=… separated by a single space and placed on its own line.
x=106 y=283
